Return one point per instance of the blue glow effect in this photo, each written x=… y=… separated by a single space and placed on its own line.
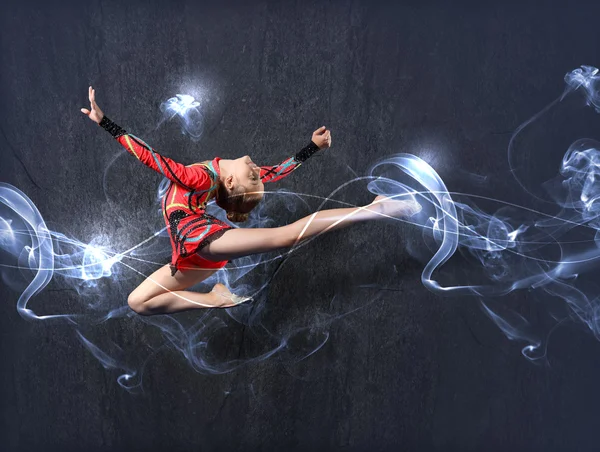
x=554 y=255
x=189 y=111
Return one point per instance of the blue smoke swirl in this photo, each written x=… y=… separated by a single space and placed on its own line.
x=515 y=255
x=514 y=248
x=189 y=111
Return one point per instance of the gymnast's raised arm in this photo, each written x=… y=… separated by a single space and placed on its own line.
x=191 y=177
x=321 y=138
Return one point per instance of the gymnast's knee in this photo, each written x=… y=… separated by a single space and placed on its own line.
x=136 y=303
x=286 y=236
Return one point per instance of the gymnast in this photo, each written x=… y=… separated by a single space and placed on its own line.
x=202 y=244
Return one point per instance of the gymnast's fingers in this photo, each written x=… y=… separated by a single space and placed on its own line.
x=93 y=99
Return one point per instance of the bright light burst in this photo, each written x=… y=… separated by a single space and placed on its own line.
x=509 y=253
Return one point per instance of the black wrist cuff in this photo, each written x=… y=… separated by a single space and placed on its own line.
x=111 y=127
x=306 y=152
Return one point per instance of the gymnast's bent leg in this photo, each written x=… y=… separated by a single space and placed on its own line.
x=240 y=242
x=162 y=293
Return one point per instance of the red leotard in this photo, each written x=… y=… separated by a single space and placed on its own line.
x=192 y=186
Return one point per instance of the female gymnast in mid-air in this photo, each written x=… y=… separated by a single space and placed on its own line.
x=202 y=244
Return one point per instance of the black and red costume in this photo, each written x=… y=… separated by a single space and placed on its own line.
x=192 y=186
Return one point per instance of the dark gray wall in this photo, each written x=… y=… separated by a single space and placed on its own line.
x=411 y=371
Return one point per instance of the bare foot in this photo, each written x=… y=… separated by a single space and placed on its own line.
x=398 y=207
x=223 y=298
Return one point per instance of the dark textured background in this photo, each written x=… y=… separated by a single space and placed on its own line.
x=411 y=371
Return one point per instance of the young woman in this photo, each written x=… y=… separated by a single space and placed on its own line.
x=202 y=244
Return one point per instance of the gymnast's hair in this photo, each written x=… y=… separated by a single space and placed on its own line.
x=238 y=204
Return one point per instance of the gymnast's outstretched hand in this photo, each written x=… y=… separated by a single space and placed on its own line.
x=322 y=137
x=96 y=114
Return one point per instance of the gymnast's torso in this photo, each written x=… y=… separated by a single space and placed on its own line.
x=191 y=188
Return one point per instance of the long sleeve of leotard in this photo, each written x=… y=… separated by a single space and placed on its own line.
x=190 y=177
x=277 y=172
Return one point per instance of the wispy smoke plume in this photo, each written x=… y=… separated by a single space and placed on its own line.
x=513 y=248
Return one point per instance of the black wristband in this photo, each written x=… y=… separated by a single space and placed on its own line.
x=111 y=127
x=305 y=153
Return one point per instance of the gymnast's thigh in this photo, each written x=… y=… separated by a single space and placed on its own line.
x=161 y=281
x=241 y=242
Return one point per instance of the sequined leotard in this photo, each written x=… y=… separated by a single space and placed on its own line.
x=192 y=186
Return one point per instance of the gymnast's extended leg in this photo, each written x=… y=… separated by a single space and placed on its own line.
x=240 y=242
x=161 y=293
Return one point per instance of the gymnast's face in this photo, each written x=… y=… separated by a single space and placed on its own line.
x=248 y=174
